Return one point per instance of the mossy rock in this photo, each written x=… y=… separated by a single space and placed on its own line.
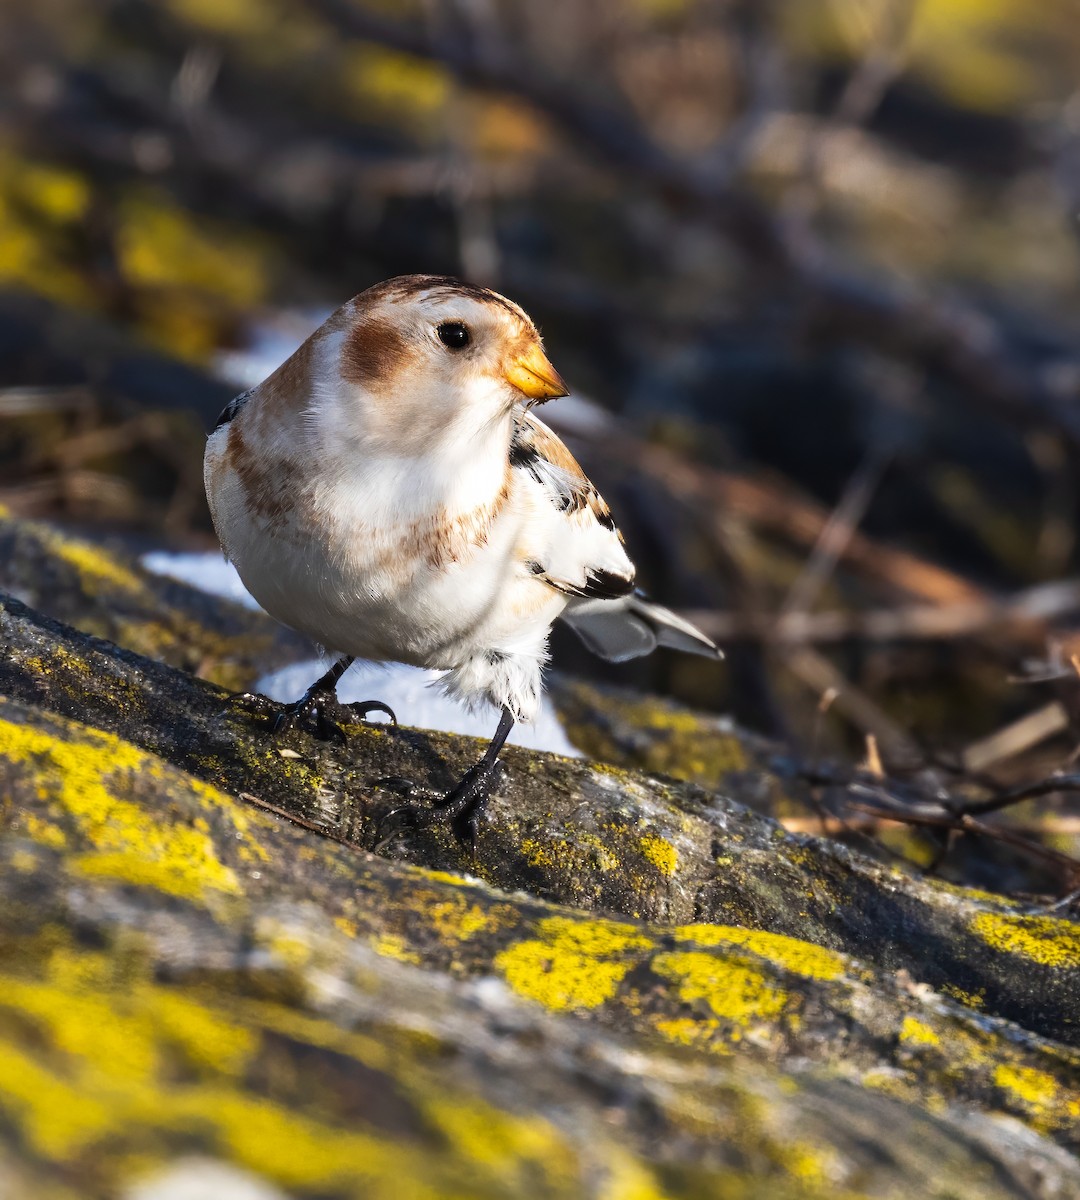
x=633 y=988
x=106 y=592
x=182 y=974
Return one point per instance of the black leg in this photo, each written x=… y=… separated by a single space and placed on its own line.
x=464 y=804
x=318 y=701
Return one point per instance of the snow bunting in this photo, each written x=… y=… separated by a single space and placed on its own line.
x=388 y=492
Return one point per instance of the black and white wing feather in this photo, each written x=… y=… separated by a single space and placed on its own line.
x=583 y=555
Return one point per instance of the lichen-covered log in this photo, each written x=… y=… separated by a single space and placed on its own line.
x=183 y=974
x=731 y=934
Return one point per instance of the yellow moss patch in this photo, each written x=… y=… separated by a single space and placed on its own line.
x=82 y=771
x=686 y=1031
x=45 y=833
x=571 y=964
x=1048 y=941
x=801 y=958
x=660 y=852
x=734 y=991
x=399 y=83
x=969 y=999
x=1035 y=1088
x=391 y=946
x=94 y=565
x=915 y=1033
x=502 y=1142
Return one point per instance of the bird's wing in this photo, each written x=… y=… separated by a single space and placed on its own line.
x=575 y=545
x=577 y=549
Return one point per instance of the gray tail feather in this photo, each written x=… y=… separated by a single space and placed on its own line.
x=619 y=630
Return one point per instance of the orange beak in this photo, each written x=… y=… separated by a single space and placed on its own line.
x=535 y=377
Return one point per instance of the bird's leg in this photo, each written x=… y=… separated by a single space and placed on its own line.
x=463 y=805
x=319 y=701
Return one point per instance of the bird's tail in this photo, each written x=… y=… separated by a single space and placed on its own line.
x=627 y=628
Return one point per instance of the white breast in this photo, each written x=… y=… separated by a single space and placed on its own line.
x=358 y=566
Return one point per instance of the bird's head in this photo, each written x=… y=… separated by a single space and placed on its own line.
x=445 y=350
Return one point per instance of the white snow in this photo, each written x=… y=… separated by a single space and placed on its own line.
x=270 y=340
x=412 y=693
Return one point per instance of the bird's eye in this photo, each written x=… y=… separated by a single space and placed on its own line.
x=453 y=335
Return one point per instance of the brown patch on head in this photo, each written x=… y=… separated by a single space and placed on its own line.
x=373 y=354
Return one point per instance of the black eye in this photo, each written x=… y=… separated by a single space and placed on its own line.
x=453 y=335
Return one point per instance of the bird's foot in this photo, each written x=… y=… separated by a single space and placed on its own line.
x=461 y=807
x=321 y=705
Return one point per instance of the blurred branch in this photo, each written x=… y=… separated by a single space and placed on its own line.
x=781 y=509
x=917 y=622
x=933 y=807
x=964 y=346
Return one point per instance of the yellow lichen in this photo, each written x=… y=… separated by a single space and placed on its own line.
x=660 y=852
x=571 y=964
x=45 y=833
x=454 y=919
x=734 y=991
x=916 y=1033
x=968 y=999
x=801 y=958
x=686 y=1031
x=1035 y=1088
x=502 y=1142
x=93 y=564
x=1048 y=941
x=812 y=1165
x=391 y=946
x=82 y=771
x=628 y=1179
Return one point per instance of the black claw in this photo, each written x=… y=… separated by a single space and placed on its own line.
x=396 y=783
x=362 y=707
x=321 y=707
x=461 y=808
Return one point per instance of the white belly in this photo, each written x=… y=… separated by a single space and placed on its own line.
x=366 y=588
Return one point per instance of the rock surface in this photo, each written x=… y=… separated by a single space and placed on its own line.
x=635 y=988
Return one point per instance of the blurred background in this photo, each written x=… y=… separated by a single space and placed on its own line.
x=810 y=267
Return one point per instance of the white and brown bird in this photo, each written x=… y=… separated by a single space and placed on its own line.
x=388 y=492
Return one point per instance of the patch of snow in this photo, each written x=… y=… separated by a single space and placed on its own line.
x=270 y=341
x=210 y=572
x=414 y=695
x=197 y=1178
x=411 y=692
